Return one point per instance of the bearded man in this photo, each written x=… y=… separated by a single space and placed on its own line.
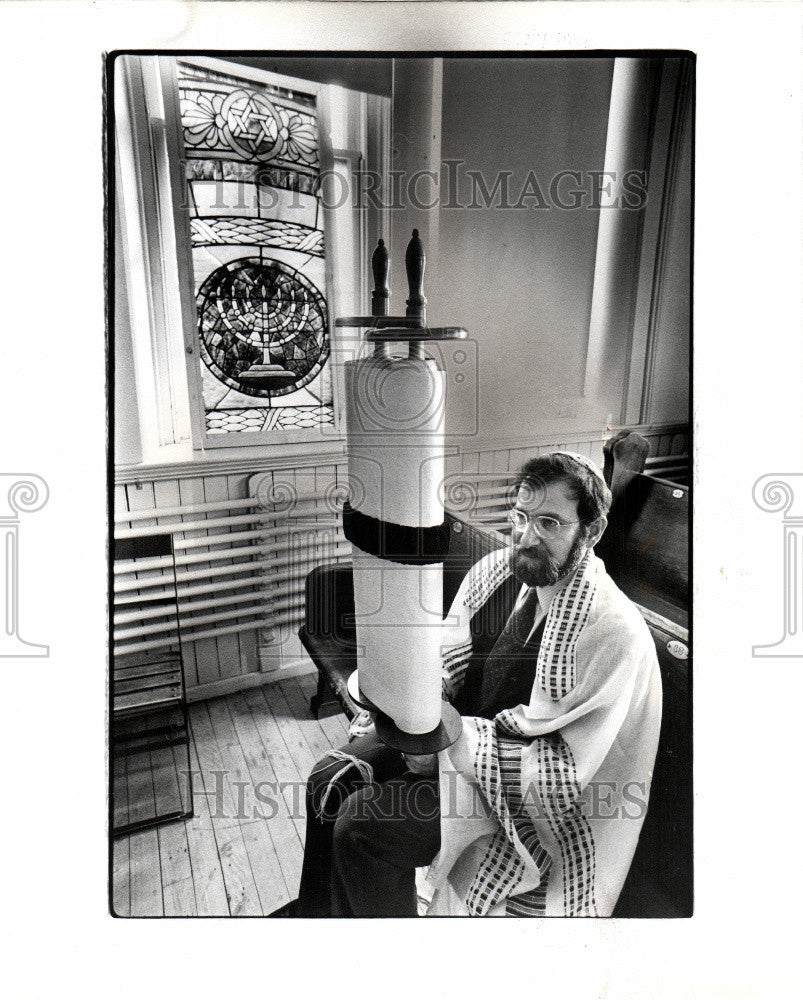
x=536 y=809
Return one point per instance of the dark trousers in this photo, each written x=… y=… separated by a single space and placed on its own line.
x=362 y=849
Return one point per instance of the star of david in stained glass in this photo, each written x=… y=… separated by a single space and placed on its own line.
x=262 y=327
x=247 y=125
x=251 y=124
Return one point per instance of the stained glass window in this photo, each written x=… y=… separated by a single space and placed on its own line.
x=253 y=165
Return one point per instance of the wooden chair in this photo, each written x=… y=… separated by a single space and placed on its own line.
x=150 y=732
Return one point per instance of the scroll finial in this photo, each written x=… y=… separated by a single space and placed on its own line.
x=415 y=261
x=384 y=329
x=381 y=293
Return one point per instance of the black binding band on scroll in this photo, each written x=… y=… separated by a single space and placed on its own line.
x=397 y=543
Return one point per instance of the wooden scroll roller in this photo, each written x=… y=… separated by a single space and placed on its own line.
x=412 y=327
x=391 y=529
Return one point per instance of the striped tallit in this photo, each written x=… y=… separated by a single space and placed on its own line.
x=564 y=780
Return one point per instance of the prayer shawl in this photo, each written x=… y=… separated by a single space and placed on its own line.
x=541 y=807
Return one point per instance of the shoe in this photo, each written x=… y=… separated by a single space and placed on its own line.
x=288 y=910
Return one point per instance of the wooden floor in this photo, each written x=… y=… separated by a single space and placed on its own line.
x=241 y=853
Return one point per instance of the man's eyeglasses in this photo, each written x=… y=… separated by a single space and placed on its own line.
x=545 y=526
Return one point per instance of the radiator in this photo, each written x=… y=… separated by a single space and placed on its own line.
x=240 y=565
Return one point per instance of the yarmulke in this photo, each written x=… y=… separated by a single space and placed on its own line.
x=585 y=462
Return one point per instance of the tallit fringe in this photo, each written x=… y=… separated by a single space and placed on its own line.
x=365 y=769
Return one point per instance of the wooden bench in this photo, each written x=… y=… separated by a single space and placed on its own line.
x=646 y=550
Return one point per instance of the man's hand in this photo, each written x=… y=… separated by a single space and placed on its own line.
x=424 y=763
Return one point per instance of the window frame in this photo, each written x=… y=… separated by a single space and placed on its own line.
x=166 y=247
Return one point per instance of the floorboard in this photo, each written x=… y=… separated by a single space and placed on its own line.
x=167 y=791
x=207 y=874
x=291 y=732
x=121 y=889
x=267 y=794
x=318 y=742
x=258 y=840
x=241 y=889
x=146 y=874
x=141 y=801
x=120 y=796
x=289 y=773
x=178 y=892
x=241 y=852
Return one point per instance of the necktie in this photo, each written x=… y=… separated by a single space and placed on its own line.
x=504 y=664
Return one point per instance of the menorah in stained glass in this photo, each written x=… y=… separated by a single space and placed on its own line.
x=262 y=326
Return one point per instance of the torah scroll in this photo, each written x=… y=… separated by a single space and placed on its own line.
x=394 y=520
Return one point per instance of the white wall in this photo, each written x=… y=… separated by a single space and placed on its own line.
x=521 y=280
